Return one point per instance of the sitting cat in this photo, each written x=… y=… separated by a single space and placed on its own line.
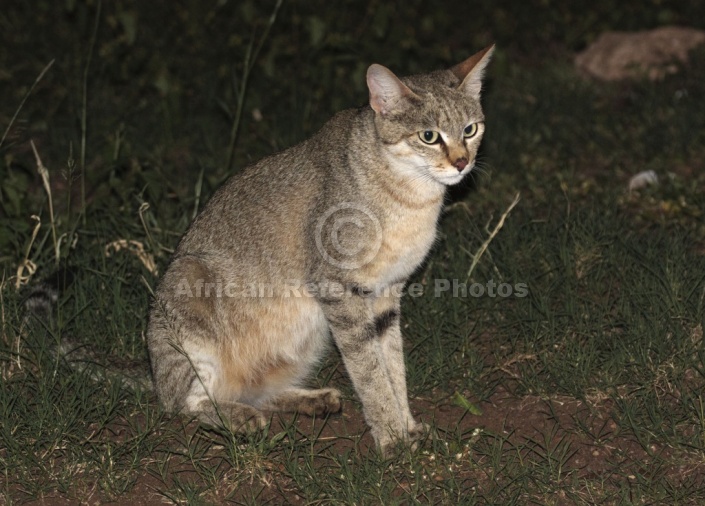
x=312 y=243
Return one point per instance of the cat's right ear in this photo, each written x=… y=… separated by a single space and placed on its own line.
x=387 y=92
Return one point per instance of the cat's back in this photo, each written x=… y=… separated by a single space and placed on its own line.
x=268 y=203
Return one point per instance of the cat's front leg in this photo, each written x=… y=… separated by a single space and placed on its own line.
x=393 y=351
x=387 y=325
x=355 y=333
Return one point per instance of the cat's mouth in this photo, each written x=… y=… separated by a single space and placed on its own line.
x=450 y=175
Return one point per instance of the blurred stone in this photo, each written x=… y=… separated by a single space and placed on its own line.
x=642 y=179
x=652 y=54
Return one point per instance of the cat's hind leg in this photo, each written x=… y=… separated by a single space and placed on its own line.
x=210 y=402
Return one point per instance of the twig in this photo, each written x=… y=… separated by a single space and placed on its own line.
x=26 y=263
x=144 y=207
x=44 y=173
x=250 y=59
x=483 y=248
x=84 y=108
x=24 y=99
x=5 y=339
x=197 y=190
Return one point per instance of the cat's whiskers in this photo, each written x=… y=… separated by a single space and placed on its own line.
x=481 y=168
x=420 y=180
x=420 y=176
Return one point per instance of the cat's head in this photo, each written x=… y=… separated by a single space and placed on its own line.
x=431 y=124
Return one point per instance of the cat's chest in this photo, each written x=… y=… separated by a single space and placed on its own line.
x=406 y=240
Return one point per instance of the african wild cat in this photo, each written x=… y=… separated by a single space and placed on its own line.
x=312 y=243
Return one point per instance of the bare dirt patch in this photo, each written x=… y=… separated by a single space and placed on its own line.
x=573 y=441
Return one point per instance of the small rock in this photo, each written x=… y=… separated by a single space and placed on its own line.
x=643 y=179
x=654 y=53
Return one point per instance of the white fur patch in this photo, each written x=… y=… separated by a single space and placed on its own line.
x=207 y=370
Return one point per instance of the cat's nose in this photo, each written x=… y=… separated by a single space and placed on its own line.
x=460 y=164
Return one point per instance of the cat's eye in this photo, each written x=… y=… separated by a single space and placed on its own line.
x=470 y=130
x=429 y=136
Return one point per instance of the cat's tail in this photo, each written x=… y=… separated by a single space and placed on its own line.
x=43 y=296
x=40 y=305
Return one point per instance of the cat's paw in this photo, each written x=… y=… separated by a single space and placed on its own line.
x=418 y=429
x=388 y=446
x=417 y=432
x=320 y=402
x=246 y=419
x=391 y=444
x=236 y=417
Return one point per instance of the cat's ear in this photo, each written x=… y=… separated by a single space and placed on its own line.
x=387 y=92
x=472 y=70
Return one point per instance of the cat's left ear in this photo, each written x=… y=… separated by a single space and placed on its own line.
x=387 y=93
x=472 y=70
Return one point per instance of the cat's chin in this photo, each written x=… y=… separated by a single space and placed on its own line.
x=451 y=179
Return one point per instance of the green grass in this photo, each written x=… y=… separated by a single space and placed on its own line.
x=590 y=386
